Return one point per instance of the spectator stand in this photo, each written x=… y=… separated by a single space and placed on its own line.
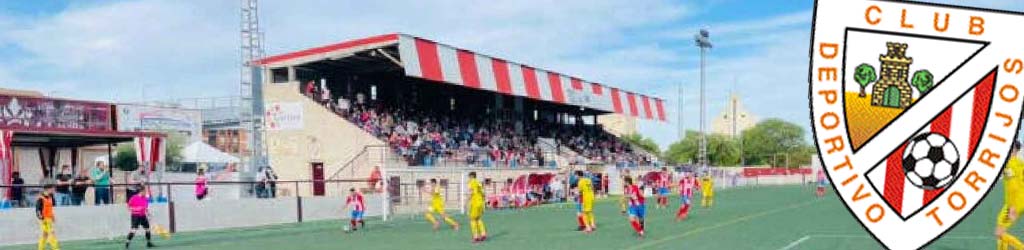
x=56 y=132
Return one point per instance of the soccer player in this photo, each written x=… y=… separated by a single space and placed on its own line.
x=663 y=188
x=636 y=206
x=586 y=193
x=437 y=207
x=686 y=185
x=707 y=187
x=476 y=209
x=1013 y=181
x=821 y=183
x=358 y=208
x=138 y=206
x=44 y=212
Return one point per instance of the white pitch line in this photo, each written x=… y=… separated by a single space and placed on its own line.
x=795 y=243
x=851 y=236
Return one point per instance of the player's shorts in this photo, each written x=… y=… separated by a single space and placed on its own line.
x=357 y=214
x=436 y=208
x=684 y=199
x=140 y=221
x=638 y=211
x=476 y=210
x=663 y=191
x=588 y=205
x=1003 y=220
x=46 y=225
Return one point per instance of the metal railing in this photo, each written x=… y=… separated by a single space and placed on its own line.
x=182 y=191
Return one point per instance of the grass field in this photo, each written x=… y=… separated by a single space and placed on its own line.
x=787 y=217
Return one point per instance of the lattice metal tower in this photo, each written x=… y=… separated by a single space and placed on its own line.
x=250 y=91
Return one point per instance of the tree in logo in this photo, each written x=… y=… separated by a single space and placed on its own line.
x=864 y=75
x=923 y=81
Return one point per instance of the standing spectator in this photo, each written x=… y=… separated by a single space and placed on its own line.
x=101 y=180
x=135 y=182
x=310 y=89
x=64 y=179
x=261 y=184
x=79 y=187
x=374 y=177
x=201 y=188
x=272 y=182
x=17 y=195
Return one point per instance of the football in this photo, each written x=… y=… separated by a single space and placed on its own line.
x=931 y=161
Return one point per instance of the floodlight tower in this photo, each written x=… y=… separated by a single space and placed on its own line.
x=250 y=87
x=703 y=41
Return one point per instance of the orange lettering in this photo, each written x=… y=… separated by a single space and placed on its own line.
x=832 y=54
x=987 y=156
x=972 y=180
x=867 y=15
x=1013 y=66
x=977 y=25
x=935 y=216
x=903 y=21
x=836 y=142
x=830 y=96
x=935 y=23
x=880 y=213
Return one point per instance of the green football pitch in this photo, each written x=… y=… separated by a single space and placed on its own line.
x=785 y=217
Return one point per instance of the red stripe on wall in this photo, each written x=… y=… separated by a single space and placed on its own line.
x=616 y=102
x=576 y=84
x=894 y=176
x=661 y=109
x=940 y=126
x=647 y=107
x=632 y=104
x=501 y=77
x=530 y=79
x=430 y=64
x=557 y=93
x=982 y=99
x=596 y=88
x=467 y=67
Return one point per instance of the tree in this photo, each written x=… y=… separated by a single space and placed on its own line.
x=722 y=150
x=773 y=141
x=125 y=158
x=645 y=143
x=864 y=75
x=923 y=81
x=684 y=151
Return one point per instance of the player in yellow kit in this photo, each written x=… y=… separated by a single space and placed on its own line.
x=707 y=189
x=476 y=209
x=437 y=207
x=44 y=212
x=586 y=190
x=1013 y=181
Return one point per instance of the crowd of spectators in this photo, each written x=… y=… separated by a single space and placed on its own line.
x=426 y=137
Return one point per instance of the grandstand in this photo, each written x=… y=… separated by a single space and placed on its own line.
x=401 y=101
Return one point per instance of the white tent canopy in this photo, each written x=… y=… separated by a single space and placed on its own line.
x=200 y=152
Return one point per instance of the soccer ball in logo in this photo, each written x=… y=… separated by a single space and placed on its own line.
x=931 y=161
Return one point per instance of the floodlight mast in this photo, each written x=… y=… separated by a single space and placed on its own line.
x=703 y=41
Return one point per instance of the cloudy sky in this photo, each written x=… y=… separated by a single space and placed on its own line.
x=162 y=49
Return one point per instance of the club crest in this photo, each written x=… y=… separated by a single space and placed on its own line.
x=914 y=107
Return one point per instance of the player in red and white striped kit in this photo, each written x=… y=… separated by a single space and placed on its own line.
x=637 y=210
x=662 y=184
x=687 y=184
x=358 y=206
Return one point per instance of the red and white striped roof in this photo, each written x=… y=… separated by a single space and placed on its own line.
x=425 y=59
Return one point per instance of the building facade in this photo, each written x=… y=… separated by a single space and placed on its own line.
x=892 y=89
x=734 y=119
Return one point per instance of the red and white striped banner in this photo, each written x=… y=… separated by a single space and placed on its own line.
x=150 y=151
x=6 y=159
x=442 y=63
x=962 y=123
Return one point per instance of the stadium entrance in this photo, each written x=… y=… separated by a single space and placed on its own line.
x=430 y=104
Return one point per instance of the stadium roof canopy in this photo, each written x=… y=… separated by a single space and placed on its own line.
x=429 y=60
